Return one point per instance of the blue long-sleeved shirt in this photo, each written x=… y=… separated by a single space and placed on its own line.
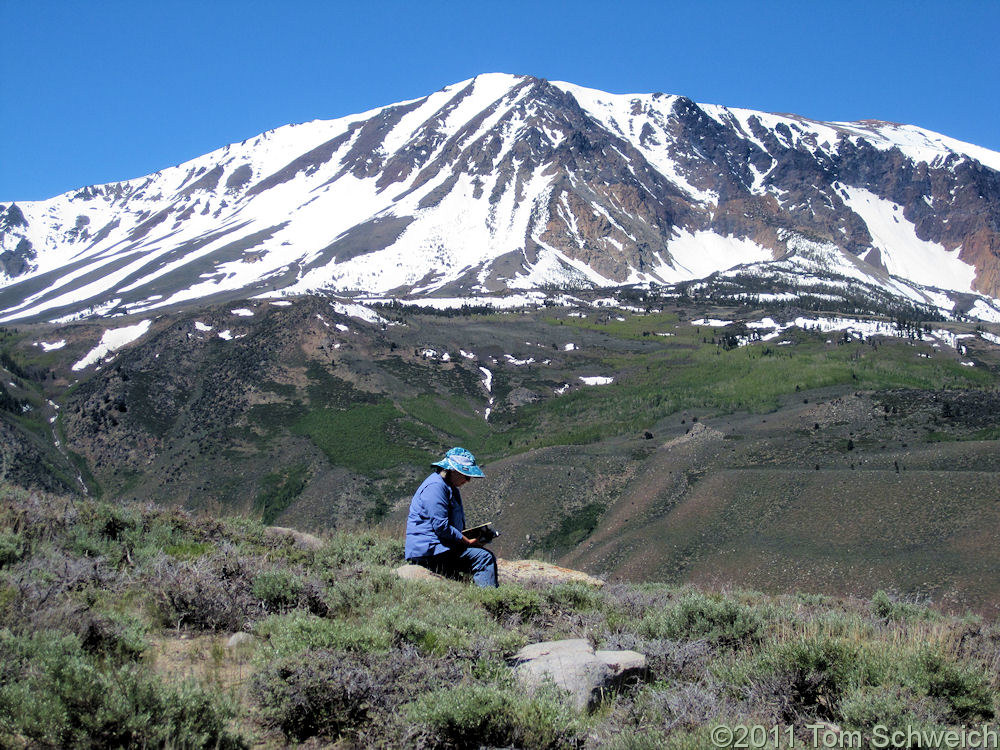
x=436 y=519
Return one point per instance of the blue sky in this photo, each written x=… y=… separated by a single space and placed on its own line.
x=99 y=91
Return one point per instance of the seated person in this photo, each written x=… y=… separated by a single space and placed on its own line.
x=434 y=537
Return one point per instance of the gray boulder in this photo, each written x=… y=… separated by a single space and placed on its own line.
x=574 y=666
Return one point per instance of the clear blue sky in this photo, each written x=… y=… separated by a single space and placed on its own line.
x=103 y=90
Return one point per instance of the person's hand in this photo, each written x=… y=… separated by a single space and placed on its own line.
x=471 y=542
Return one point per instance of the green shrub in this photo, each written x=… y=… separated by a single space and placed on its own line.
x=8 y=596
x=278 y=489
x=893 y=707
x=404 y=627
x=362 y=588
x=298 y=631
x=359 y=437
x=355 y=548
x=861 y=682
x=345 y=595
x=657 y=739
x=439 y=619
x=279 y=589
x=838 y=623
x=474 y=715
x=53 y=693
x=315 y=693
x=631 y=739
x=118 y=635
x=811 y=599
x=698 y=615
x=245 y=530
x=113 y=522
x=800 y=678
x=433 y=630
x=573 y=528
x=886 y=608
x=966 y=692
x=505 y=601
x=329 y=694
x=187 y=549
x=576 y=597
x=12 y=548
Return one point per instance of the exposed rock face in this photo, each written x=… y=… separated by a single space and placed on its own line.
x=574 y=666
x=534 y=571
x=17 y=261
x=521 y=396
x=16 y=250
x=513 y=180
x=512 y=571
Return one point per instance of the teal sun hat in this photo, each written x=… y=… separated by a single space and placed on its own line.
x=460 y=460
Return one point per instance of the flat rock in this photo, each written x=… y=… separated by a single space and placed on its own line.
x=627 y=665
x=512 y=571
x=522 y=571
x=574 y=666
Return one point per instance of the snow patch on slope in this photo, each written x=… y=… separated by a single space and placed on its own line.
x=112 y=340
x=903 y=253
x=694 y=256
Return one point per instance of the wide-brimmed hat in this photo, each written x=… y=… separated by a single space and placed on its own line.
x=460 y=460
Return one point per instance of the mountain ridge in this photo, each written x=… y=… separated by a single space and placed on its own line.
x=513 y=182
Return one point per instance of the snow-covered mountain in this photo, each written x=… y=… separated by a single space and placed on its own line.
x=513 y=182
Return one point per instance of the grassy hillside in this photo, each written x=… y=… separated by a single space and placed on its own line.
x=186 y=413
x=304 y=417
x=114 y=621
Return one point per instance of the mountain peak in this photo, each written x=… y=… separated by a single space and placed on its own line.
x=510 y=181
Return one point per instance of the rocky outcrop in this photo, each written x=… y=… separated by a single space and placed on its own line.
x=574 y=666
x=699 y=431
x=16 y=251
x=513 y=571
x=534 y=571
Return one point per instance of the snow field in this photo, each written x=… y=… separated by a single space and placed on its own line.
x=112 y=340
x=903 y=253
